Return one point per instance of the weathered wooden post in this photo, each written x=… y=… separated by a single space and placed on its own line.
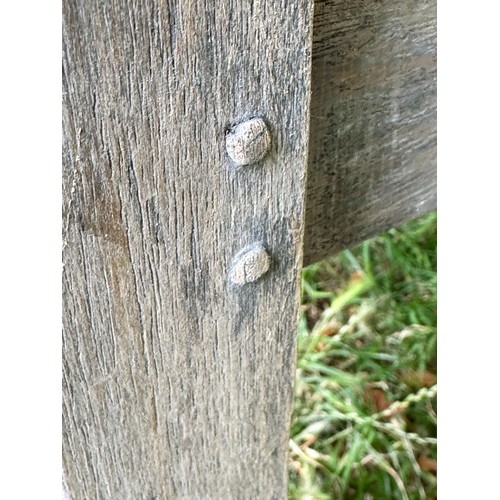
x=186 y=137
x=177 y=379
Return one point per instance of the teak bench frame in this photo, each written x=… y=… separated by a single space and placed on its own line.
x=177 y=378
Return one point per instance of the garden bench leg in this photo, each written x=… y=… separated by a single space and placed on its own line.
x=182 y=244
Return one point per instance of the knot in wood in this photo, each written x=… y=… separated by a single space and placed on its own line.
x=248 y=142
x=249 y=265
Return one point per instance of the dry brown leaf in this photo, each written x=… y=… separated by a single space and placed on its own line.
x=378 y=399
x=427 y=464
x=418 y=380
x=330 y=331
x=357 y=276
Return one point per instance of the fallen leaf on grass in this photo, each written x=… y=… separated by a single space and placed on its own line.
x=357 y=276
x=330 y=330
x=417 y=380
x=427 y=464
x=378 y=399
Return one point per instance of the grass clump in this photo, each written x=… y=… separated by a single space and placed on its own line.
x=364 y=418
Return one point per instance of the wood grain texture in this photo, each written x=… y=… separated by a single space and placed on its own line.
x=176 y=383
x=372 y=163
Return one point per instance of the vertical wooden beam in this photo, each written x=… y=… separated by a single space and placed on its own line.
x=177 y=381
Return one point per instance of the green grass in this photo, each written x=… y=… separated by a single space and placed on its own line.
x=364 y=418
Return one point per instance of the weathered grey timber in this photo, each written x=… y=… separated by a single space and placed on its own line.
x=372 y=161
x=177 y=383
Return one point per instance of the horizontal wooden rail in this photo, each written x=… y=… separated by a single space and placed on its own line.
x=372 y=149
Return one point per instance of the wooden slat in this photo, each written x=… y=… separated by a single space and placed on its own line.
x=372 y=162
x=177 y=382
